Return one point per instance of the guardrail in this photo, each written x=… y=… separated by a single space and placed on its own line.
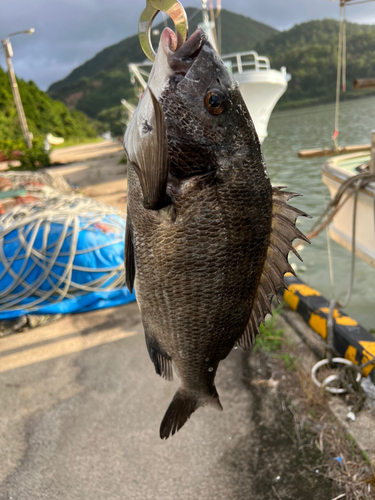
x=238 y=62
x=350 y=340
x=242 y=61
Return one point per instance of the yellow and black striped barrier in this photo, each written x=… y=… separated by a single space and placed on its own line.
x=351 y=340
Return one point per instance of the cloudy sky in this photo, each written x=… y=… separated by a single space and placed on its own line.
x=68 y=32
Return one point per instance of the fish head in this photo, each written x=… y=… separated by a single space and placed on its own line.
x=206 y=116
x=203 y=105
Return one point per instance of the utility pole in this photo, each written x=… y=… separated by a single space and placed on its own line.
x=8 y=52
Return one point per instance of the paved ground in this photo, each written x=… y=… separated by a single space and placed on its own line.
x=85 y=151
x=81 y=407
x=96 y=170
x=77 y=153
x=80 y=413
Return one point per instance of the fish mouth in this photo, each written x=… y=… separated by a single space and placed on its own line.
x=181 y=59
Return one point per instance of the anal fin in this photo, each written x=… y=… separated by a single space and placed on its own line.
x=161 y=360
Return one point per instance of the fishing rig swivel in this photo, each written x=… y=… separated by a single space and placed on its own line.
x=175 y=11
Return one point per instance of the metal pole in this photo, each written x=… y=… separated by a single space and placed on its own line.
x=16 y=95
x=372 y=161
x=134 y=69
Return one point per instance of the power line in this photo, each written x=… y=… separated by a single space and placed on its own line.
x=349 y=2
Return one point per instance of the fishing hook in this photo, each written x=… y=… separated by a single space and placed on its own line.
x=175 y=11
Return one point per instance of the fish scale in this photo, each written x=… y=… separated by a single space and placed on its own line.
x=202 y=243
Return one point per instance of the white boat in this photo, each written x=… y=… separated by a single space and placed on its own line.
x=350 y=177
x=260 y=86
x=335 y=173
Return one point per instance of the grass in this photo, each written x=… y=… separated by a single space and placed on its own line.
x=314 y=424
x=78 y=142
x=271 y=336
x=271 y=340
x=341 y=460
x=313 y=413
x=289 y=361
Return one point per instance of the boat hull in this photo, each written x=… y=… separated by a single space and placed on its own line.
x=261 y=90
x=341 y=228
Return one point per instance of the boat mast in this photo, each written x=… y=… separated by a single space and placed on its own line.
x=218 y=22
x=341 y=62
x=208 y=25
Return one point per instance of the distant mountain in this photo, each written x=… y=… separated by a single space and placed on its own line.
x=100 y=83
x=43 y=114
x=309 y=52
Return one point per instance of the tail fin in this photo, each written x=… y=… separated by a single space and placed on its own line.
x=182 y=406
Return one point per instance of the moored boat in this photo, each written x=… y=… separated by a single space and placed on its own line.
x=352 y=221
x=349 y=174
x=260 y=85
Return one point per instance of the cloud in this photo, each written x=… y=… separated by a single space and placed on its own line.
x=69 y=32
x=283 y=14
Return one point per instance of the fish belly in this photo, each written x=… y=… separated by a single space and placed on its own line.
x=198 y=266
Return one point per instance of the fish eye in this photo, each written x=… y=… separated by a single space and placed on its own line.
x=215 y=101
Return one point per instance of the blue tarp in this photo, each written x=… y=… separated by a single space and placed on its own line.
x=35 y=259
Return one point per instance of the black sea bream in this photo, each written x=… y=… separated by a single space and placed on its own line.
x=207 y=237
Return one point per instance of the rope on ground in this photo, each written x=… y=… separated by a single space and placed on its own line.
x=349 y=383
x=347 y=188
x=335 y=302
x=44 y=246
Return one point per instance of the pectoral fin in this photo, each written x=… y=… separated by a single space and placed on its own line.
x=152 y=162
x=161 y=360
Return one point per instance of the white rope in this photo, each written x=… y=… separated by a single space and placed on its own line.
x=330 y=263
x=338 y=78
x=344 y=47
x=355 y=184
x=73 y=213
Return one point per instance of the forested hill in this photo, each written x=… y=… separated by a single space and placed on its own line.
x=43 y=114
x=101 y=83
x=309 y=52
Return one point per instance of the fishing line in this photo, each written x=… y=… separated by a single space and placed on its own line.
x=338 y=78
x=357 y=3
x=330 y=263
x=193 y=15
x=344 y=49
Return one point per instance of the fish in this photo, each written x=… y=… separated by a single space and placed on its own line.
x=207 y=236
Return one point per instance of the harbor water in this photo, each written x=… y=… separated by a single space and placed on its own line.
x=306 y=128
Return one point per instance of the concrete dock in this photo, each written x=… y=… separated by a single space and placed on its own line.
x=81 y=407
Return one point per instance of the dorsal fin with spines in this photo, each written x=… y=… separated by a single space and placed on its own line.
x=283 y=233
